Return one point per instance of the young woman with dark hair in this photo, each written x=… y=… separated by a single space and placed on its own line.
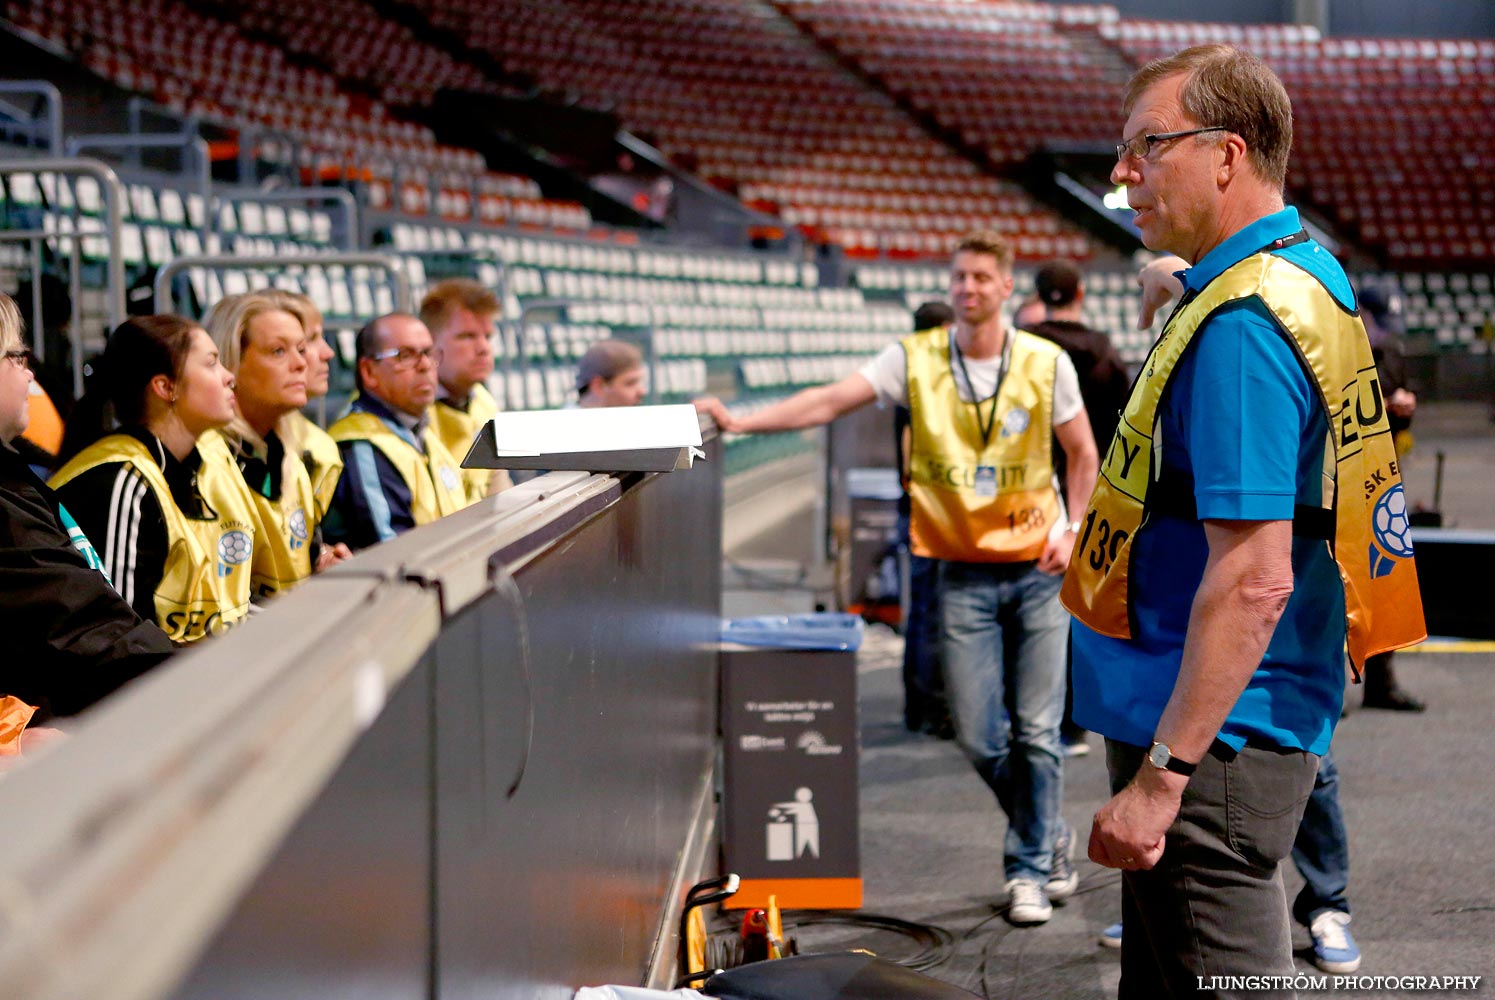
x=178 y=552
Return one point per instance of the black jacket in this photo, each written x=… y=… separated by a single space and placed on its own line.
x=69 y=638
x=1104 y=382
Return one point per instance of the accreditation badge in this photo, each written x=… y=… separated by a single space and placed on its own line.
x=986 y=481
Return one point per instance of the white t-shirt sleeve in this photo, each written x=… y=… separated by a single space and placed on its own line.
x=1067 y=400
x=888 y=373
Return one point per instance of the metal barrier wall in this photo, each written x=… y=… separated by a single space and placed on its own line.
x=474 y=761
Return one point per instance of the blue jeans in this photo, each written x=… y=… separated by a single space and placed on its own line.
x=1003 y=640
x=1322 y=848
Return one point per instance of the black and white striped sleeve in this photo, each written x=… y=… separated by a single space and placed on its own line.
x=119 y=513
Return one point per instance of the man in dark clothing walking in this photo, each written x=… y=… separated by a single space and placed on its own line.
x=1103 y=377
x=1104 y=382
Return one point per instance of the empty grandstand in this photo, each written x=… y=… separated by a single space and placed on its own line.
x=488 y=746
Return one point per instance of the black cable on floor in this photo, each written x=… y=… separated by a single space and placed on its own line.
x=1103 y=879
x=936 y=943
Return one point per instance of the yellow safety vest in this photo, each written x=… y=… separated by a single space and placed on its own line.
x=458 y=428
x=205 y=583
x=324 y=463
x=981 y=496
x=283 y=527
x=434 y=479
x=1371 y=539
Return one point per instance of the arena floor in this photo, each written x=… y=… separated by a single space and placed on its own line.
x=1415 y=791
x=1415 y=797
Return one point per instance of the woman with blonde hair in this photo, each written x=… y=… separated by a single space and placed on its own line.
x=324 y=463
x=175 y=540
x=264 y=346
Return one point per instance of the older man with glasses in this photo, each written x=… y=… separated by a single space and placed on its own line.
x=396 y=472
x=1221 y=571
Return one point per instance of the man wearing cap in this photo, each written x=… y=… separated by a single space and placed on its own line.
x=1060 y=292
x=611 y=373
x=1103 y=377
x=987 y=404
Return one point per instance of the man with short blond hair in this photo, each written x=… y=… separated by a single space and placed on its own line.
x=986 y=404
x=460 y=314
x=1210 y=616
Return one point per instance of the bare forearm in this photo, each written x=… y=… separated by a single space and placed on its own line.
x=1079 y=481
x=806 y=408
x=1234 y=614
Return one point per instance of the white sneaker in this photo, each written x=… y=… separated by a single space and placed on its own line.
x=1334 y=950
x=1026 y=903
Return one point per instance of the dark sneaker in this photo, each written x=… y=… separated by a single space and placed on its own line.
x=1063 y=879
x=1395 y=700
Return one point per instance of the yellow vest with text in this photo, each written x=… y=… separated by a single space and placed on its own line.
x=951 y=520
x=458 y=428
x=283 y=527
x=205 y=584
x=324 y=463
x=434 y=479
x=1362 y=482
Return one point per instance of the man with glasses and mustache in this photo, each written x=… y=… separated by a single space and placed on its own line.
x=396 y=472
x=1240 y=536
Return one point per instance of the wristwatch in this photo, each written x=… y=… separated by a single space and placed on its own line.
x=1161 y=757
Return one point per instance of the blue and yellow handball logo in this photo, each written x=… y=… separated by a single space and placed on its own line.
x=1393 y=532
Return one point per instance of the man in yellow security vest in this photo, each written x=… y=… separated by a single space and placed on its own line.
x=986 y=404
x=460 y=313
x=396 y=472
x=1248 y=521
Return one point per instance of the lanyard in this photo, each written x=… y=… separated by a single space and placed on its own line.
x=990 y=423
x=1189 y=295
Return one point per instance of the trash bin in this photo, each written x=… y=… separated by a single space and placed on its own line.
x=869 y=565
x=789 y=737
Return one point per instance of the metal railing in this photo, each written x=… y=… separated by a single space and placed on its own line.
x=207 y=787
x=114 y=268
x=561 y=306
x=49 y=93
x=398 y=279
x=341 y=197
x=194 y=143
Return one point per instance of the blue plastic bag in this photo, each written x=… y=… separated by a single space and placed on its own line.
x=824 y=630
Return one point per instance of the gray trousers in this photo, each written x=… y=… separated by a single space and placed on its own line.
x=1215 y=904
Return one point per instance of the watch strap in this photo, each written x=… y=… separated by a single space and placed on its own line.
x=1173 y=763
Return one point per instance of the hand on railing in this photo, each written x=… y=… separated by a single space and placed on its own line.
x=717 y=411
x=333 y=554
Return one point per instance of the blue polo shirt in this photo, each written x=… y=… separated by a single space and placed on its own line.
x=1243 y=421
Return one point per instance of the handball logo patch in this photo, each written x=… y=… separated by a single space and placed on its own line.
x=1393 y=532
x=298 y=528
x=1016 y=422
x=234 y=548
